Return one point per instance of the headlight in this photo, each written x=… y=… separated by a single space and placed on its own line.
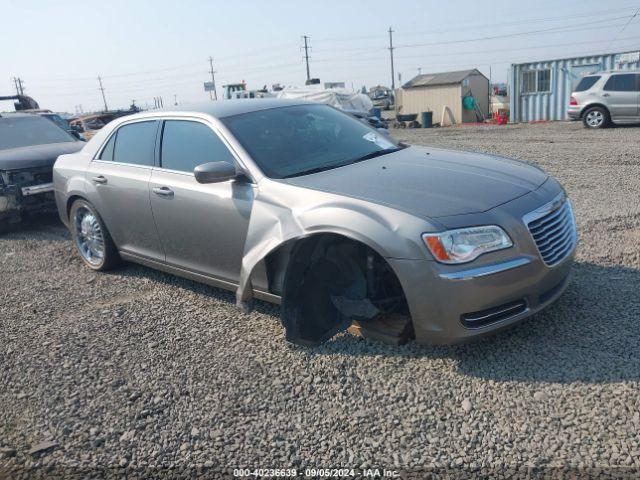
x=466 y=244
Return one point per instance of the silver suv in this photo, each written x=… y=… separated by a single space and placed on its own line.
x=607 y=97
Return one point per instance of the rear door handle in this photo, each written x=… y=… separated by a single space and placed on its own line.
x=606 y=94
x=163 y=191
x=99 y=179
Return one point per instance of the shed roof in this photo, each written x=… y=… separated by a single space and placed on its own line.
x=444 y=78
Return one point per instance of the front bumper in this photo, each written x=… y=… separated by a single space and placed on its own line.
x=452 y=304
x=25 y=192
x=439 y=312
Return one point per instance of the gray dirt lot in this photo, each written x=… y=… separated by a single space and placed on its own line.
x=136 y=369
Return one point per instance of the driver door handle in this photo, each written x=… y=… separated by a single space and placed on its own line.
x=99 y=179
x=163 y=191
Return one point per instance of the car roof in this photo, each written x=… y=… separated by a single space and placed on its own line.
x=227 y=108
x=611 y=71
x=19 y=115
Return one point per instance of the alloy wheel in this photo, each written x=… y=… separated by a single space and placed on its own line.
x=595 y=119
x=89 y=237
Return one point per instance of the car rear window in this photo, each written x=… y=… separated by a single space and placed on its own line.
x=135 y=143
x=26 y=131
x=586 y=83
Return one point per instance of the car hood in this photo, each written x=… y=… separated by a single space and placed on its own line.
x=36 y=156
x=430 y=182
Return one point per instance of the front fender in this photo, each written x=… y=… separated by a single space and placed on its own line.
x=284 y=213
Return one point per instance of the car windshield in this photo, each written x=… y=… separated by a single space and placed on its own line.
x=304 y=139
x=58 y=120
x=25 y=131
x=586 y=83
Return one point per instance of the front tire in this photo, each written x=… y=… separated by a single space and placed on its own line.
x=91 y=237
x=596 y=117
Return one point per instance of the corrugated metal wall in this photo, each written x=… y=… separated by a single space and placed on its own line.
x=530 y=107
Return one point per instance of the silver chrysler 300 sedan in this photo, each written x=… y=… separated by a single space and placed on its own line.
x=303 y=205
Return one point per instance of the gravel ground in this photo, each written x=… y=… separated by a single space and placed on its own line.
x=136 y=372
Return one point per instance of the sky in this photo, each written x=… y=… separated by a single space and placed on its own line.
x=160 y=48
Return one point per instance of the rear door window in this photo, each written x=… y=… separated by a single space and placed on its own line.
x=135 y=143
x=626 y=82
x=187 y=144
x=586 y=83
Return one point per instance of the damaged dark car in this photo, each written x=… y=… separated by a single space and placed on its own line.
x=29 y=147
x=301 y=204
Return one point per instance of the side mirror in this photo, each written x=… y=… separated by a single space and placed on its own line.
x=214 y=172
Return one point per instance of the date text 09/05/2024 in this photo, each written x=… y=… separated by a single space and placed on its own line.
x=315 y=473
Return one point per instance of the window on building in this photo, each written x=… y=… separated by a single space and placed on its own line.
x=544 y=81
x=534 y=81
x=186 y=144
x=626 y=82
x=528 y=82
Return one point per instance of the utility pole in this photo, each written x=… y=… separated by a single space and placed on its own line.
x=306 y=54
x=213 y=95
x=175 y=99
x=393 y=75
x=104 y=99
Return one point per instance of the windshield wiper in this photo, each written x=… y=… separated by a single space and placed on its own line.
x=313 y=170
x=375 y=154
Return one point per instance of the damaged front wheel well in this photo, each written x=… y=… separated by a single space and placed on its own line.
x=327 y=281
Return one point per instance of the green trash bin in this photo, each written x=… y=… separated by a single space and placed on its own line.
x=427 y=119
x=469 y=103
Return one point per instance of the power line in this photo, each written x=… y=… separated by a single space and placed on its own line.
x=517 y=34
x=372 y=57
x=467 y=26
x=559 y=29
x=306 y=55
x=623 y=28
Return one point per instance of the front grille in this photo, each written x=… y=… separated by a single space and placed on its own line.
x=554 y=233
x=493 y=315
